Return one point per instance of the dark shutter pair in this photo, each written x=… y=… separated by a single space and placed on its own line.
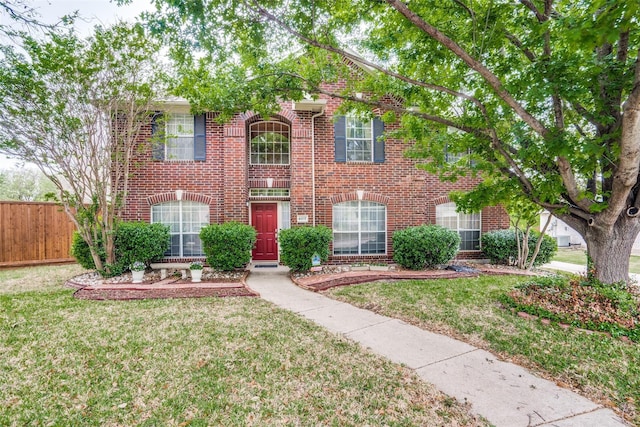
x=199 y=137
x=340 y=139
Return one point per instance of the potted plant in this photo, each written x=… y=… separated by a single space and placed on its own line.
x=137 y=271
x=196 y=271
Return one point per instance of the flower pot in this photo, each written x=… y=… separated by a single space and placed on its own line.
x=137 y=276
x=196 y=276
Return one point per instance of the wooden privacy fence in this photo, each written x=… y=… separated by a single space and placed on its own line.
x=34 y=233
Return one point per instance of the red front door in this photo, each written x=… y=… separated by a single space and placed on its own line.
x=264 y=218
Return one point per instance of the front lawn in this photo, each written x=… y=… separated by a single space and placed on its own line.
x=579 y=256
x=605 y=369
x=197 y=362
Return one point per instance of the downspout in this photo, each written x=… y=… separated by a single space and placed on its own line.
x=313 y=165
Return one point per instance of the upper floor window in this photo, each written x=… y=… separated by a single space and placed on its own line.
x=269 y=143
x=467 y=225
x=179 y=136
x=359 y=228
x=179 y=131
x=185 y=219
x=453 y=157
x=358 y=140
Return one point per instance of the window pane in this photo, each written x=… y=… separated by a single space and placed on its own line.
x=185 y=219
x=358 y=140
x=467 y=225
x=192 y=246
x=373 y=243
x=179 y=131
x=269 y=143
x=359 y=228
x=345 y=243
x=469 y=240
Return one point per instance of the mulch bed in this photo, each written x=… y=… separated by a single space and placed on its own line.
x=322 y=282
x=162 y=289
x=135 y=294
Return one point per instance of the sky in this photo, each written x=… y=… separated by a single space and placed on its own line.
x=91 y=13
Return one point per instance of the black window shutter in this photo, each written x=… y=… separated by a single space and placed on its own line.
x=378 y=142
x=199 y=140
x=340 y=138
x=157 y=136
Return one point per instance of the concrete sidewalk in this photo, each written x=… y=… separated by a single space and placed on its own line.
x=504 y=393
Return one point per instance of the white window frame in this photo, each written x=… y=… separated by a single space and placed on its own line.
x=460 y=218
x=359 y=204
x=363 y=125
x=181 y=225
x=179 y=144
x=255 y=133
x=269 y=192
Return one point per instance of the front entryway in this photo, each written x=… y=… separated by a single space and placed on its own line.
x=264 y=218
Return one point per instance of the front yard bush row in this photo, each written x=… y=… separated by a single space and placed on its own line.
x=424 y=246
x=228 y=246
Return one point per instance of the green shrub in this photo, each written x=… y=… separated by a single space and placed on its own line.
x=299 y=244
x=80 y=251
x=140 y=241
x=228 y=246
x=134 y=241
x=425 y=246
x=501 y=247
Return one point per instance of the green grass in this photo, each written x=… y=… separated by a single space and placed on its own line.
x=579 y=256
x=605 y=369
x=197 y=362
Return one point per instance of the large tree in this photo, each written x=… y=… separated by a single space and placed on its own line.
x=542 y=97
x=75 y=108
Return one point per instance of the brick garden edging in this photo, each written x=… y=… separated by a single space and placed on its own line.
x=322 y=282
x=168 y=288
x=548 y=322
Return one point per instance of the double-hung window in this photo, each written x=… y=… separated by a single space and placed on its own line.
x=185 y=220
x=179 y=145
x=358 y=140
x=467 y=225
x=359 y=228
x=179 y=136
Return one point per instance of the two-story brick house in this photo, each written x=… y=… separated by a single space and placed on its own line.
x=303 y=166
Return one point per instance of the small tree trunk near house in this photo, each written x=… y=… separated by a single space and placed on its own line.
x=539 y=242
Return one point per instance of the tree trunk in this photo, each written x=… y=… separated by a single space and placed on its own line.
x=609 y=250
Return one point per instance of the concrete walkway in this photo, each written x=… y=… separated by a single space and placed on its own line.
x=504 y=393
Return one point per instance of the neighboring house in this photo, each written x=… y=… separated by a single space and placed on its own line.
x=566 y=236
x=303 y=166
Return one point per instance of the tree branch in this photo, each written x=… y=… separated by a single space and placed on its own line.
x=357 y=59
x=493 y=81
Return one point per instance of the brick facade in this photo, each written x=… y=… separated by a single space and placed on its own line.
x=224 y=179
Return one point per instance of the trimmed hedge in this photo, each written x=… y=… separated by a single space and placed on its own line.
x=299 y=244
x=424 y=246
x=141 y=241
x=134 y=241
x=501 y=247
x=228 y=246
